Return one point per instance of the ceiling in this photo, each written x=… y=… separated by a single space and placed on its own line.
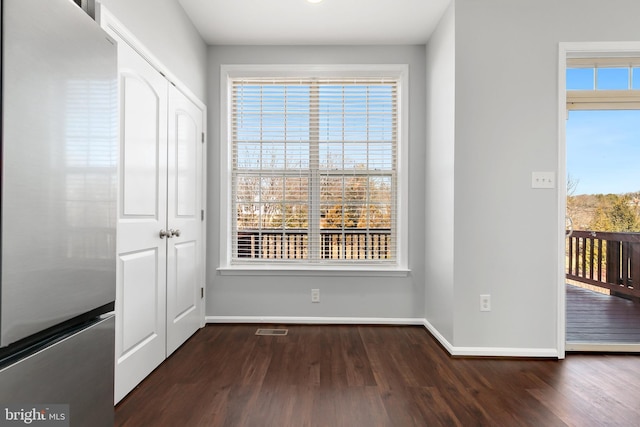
x=331 y=22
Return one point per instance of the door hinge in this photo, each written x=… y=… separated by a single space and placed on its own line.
x=202 y=137
x=201 y=293
x=202 y=215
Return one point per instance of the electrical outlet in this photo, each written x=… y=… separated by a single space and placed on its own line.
x=485 y=302
x=315 y=295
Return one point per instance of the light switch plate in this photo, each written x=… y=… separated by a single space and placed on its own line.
x=543 y=180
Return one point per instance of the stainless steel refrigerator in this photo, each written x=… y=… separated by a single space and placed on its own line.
x=58 y=215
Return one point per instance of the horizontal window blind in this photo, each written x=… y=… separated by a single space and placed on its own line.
x=314 y=173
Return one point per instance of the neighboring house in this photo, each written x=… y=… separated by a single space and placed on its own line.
x=483 y=117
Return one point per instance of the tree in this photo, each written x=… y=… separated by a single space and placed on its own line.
x=616 y=213
x=572 y=185
x=364 y=202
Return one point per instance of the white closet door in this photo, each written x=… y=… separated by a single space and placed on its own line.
x=184 y=278
x=141 y=269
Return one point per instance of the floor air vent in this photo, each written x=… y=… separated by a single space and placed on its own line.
x=273 y=332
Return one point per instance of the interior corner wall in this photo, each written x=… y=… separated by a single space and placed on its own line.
x=439 y=213
x=287 y=295
x=506 y=127
x=163 y=27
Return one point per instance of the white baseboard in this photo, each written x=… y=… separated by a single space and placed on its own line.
x=438 y=336
x=451 y=349
x=607 y=348
x=506 y=352
x=315 y=320
x=489 y=351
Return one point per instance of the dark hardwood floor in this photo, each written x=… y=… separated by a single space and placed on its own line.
x=374 y=376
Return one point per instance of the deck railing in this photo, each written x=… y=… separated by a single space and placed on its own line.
x=371 y=244
x=605 y=259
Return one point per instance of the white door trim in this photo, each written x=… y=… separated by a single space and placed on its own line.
x=566 y=50
x=107 y=20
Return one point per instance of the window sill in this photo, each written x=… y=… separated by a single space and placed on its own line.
x=326 y=271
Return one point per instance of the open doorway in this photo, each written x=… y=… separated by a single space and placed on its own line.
x=603 y=253
x=601 y=277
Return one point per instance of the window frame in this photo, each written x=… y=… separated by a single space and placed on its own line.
x=603 y=99
x=255 y=267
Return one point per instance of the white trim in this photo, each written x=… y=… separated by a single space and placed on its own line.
x=316 y=320
x=506 y=352
x=489 y=351
x=600 y=49
x=318 y=70
x=438 y=336
x=561 y=310
x=305 y=270
x=608 y=348
x=401 y=71
x=603 y=62
x=109 y=22
x=226 y=169
x=566 y=51
x=203 y=222
x=402 y=150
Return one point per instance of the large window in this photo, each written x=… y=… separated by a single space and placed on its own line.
x=314 y=169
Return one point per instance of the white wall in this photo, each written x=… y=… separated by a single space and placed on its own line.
x=164 y=29
x=290 y=296
x=506 y=126
x=439 y=262
x=506 y=121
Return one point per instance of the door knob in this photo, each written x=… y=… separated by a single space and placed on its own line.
x=175 y=232
x=166 y=234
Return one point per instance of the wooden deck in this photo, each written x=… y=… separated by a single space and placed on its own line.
x=596 y=318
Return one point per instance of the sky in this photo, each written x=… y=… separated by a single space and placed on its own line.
x=603 y=147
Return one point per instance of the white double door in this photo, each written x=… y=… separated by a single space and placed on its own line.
x=159 y=277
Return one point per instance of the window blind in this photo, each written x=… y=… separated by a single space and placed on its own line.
x=314 y=170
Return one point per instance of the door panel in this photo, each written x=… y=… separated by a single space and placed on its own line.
x=141 y=320
x=186 y=152
x=141 y=296
x=184 y=298
x=184 y=195
x=140 y=154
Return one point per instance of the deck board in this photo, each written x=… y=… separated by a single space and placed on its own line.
x=598 y=318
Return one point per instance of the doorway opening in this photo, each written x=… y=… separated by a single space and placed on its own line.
x=601 y=256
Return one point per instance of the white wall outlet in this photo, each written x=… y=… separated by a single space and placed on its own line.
x=315 y=295
x=485 y=302
x=543 y=180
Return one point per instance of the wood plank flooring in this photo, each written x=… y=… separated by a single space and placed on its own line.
x=373 y=376
x=593 y=317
